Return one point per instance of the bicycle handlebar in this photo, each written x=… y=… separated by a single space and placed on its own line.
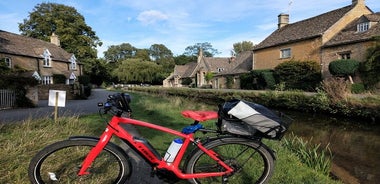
x=120 y=101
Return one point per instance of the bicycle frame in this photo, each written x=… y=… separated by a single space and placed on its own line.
x=114 y=128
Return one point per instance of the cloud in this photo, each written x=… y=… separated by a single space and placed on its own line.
x=151 y=17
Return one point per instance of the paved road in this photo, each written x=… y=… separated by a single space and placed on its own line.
x=73 y=107
x=141 y=170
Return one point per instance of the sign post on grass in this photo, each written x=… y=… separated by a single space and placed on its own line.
x=57 y=99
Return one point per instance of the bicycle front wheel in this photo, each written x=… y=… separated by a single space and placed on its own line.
x=61 y=161
x=252 y=162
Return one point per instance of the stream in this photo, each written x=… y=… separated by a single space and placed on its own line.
x=355 y=145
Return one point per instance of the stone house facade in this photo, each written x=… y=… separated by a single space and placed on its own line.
x=40 y=59
x=323 y=38
x=220 y=68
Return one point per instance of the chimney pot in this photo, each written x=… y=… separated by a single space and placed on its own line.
x=283 y=20
x=55 y=40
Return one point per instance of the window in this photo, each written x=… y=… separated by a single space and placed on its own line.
x=220 y=69
x=47 y=80
x=286 y=53
x=363 y=27
x=47 y=58
x=73 y=63
x=8 y=62
x=345 y=55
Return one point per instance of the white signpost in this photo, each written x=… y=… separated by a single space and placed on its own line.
x=57 y=99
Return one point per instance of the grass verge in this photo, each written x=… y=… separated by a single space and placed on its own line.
x=20 y=142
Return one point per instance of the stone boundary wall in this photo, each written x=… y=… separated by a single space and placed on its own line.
x=43 y=91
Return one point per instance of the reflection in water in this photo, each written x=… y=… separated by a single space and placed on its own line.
x=355 y=146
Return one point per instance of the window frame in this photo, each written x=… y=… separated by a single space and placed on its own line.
x=285 y=53
x=8 y=62
x=73 y=63
x=47 y=62
x=363 y=27
x=46 y=80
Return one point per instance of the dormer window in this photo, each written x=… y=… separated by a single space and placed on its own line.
x=73 y=63
x=47 y=58
x=361 y=27
x=220 y=69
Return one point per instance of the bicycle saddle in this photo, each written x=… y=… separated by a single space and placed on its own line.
x=200 y=115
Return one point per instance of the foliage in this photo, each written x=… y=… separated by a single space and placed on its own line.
x=75 y=35
x=136 y=70
x=370 y=69
x=206 y=47
x=242 y=46
x=258 y=80
x=209 y=76
x=116 y=53
x=184 y=59
x=84 y=79
x=311 y=155
x=13 y=80
x=363 y=108
x=100 y=71
x=229 y=82
x=357 y=88
x=336 y=89
x=304 y=75
x=186 y=81
x=59 y=79
x=344 y=68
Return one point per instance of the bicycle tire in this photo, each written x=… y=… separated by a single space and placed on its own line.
x=61 y=161
x=252 y=161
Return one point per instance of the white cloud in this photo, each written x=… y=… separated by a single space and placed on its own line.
x=151 y=17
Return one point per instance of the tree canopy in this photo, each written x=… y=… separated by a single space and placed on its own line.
x=370 y=69
x=74 y=34
x=206 y=47
x=242 y=46
x=116 y=53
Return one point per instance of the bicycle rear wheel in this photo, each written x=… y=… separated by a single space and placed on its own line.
x=61 y=161
x=252 y=161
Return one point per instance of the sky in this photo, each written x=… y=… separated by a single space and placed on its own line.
x=179 y=23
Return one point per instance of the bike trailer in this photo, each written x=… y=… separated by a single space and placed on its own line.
x=250 y=119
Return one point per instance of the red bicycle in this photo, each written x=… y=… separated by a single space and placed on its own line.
x=230 y=155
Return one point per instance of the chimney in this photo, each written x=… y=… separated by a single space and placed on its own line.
x=55 y=40
x=283 y=20
x=200 y=55
x=358 y=2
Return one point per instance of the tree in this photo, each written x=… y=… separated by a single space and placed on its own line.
x=116 y=53
x=242 y=46
x=75 y=35
x=136 y=71
x=159 y=52
x=370 y=69
x=206 y=47
x=344 y=68
x=162 y=56
x=183 y=59
x=100 y=71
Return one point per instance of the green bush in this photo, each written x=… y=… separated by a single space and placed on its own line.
x=186 y=81
x=343 y=67
x=303 y=75
x=357 y=88
x=258 y=80
x=84 y=79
